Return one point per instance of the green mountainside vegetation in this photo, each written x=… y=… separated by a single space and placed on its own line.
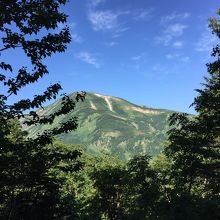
x=113 y=126
x=42 y=178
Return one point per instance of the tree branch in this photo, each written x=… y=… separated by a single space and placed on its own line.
x=4 y=49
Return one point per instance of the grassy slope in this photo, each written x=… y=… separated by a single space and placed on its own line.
x=125 y=131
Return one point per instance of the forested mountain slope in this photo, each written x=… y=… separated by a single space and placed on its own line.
x=112 y=125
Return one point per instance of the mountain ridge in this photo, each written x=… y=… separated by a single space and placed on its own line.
x=123 y=99
x=112 y=125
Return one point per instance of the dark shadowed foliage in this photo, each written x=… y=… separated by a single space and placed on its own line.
x=195 y=148
x=30 y=184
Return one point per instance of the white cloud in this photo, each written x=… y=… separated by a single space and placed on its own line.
x=174 y=16
x=88 y=58
x=111 y=44
x=178 y=57
x=118 y=32
x=160 y=69
x=136 y=58
x=171 y=32
x=76 y=38
x=103 y=20
x=178 y=44
x=172 y=56
x=108 y=21
x=72 y=24
x=175 y=30
x=164 y=39
x=95 y=3
x=206 y=42
x=185 y=59
x=142 y=14
x=140 y=57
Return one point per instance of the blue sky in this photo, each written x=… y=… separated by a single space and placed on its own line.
x=150 y=52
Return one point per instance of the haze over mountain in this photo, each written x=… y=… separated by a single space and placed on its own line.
x=112 y=125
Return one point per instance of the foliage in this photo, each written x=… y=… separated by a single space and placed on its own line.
x=110 y=185
x=125 y=191
x=195 y=145
x=46 y=179
x=30 y=186
x=31 y=178
x=22 y=25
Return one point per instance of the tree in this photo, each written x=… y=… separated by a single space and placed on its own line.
x=32 y=180
x=108 y=178
x=21 y=26
x=126 y=192
x=27 y=184
x=110 y=184
x=143 y=189
x=195 y=144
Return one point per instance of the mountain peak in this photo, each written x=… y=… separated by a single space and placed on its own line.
x=113 y=125
x=107 y=100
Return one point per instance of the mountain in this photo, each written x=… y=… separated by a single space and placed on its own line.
x=113 y=125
